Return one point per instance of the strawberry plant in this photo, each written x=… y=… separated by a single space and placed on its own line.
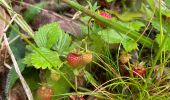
x=89 y=49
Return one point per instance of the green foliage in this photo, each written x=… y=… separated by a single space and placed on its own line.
x=111 y=36
x=47 y=35
x=52 y=42
x=129 y=44
x=45 y=58
x=159 y=40
x=60 y=86
x=18 y=49
x=33 y=11
x=13 y=76
x=63 y=45
x=126 y=16
x=133 y=25
x=156 y=25
x=93 y=7
x=90 y=78
x=167 y=3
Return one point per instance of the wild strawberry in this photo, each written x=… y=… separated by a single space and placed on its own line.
x=139 y=70
x=74 y=59
x=44 y=93
x=86 y=58
x=55 y=75
x=106 y=15
x=124 y=58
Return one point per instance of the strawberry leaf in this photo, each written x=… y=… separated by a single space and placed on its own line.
x=129 y=44
x=63 y=46
x=111 y=36
x=45 y=59
x=47 y=35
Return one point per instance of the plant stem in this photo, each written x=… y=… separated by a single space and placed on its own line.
x=110 y=23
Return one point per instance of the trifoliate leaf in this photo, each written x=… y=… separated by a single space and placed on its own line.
x=127 y=16
x=129 y=44
x=63 y=46
x=54 y=34
x=47 y=35
x=111 y=36
x=134 y=25
x=159 y=40
x=45 y=58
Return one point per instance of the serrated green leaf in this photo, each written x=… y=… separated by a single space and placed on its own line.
x=126 y=16
x=63 y=46
x=47 y=35
x=54 y=34
x=48 y=60
x=159 y=40
x=134 y=25
x=129 y=45
x=18 y=49
x=110 y=36
x=13 y=76
x=40 y=37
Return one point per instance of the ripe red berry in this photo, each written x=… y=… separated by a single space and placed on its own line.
x=44 y=93
x=74 y=59
x=106 y=15
x=139 y=71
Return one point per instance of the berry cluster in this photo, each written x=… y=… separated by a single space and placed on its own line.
x=76 y=60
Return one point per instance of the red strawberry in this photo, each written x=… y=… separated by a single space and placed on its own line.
x=106 y=15
x=44 y=93
x=74 y=59
x=139 y=71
